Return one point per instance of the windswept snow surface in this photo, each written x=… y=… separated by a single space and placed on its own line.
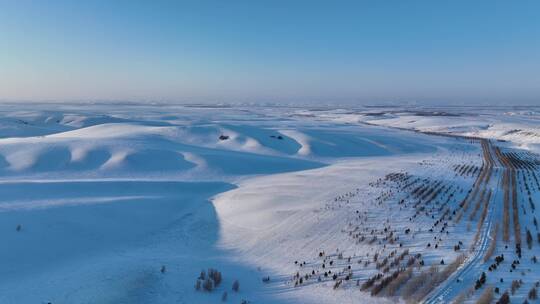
x=97 y=198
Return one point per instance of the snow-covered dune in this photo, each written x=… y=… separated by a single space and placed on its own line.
x=127 y=203
x=272 y=221
x=519 y=127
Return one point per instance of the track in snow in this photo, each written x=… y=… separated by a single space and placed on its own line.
x=465 y=276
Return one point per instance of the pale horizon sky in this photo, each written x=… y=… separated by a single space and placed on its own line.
x=451 y=52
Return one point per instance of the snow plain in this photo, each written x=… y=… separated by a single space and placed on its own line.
x=97 y=198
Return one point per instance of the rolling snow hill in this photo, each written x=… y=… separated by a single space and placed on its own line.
x=112 y=203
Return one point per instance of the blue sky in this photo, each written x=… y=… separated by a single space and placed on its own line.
x=271 y=51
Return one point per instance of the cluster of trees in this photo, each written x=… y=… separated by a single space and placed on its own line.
x=486 y=297
x=370 y=282
x=211 y=279
x=479 y=202
x=481 y=281
x=480 y=182
x=385 y=282
x=482 y=218
x=506 y=195
x=504 y=299
x=521 y=161
x=396 y=283
x=420 y=285
x=402 y=279
x=526 y=184
x=466 y=170
x=516 y=284
x=515 y=213
x=396 y=277
x=208 y=281
x=413 y=259
x=514 y=263
x=498 y=260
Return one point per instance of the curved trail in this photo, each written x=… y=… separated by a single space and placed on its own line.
x=465 y=276
x=440 y=295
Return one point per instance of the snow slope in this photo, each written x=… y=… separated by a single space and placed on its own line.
x=97 y=198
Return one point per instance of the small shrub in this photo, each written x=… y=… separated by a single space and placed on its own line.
x=236 y=286
x=483 y=278
x=367 y=284
x=515 y=286
x=486 y=297
x=208 y=285
x=504 y=299
x=215 y=276
x=480 y=281
x=533 y=295
x=401 y=279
